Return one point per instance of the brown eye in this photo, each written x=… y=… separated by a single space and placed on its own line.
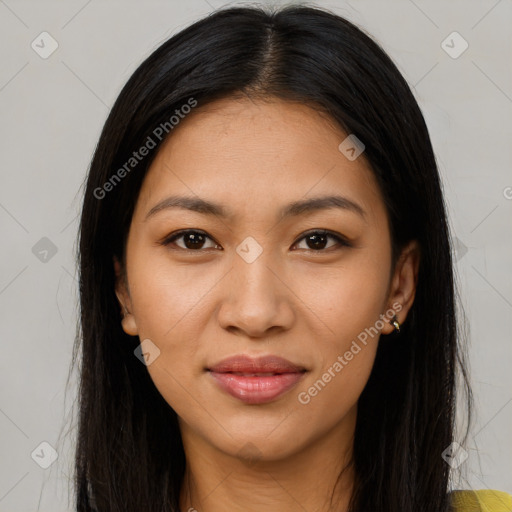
x=318 y=240
x=192 y=240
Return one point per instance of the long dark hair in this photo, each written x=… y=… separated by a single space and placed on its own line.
x=129 y=454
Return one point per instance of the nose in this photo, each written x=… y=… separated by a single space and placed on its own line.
x=257 y=299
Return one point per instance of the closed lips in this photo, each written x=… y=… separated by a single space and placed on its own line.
x=259 y=374
x=256 y=380
x=246 y=365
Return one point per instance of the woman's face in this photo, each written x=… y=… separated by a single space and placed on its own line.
x=258 y=280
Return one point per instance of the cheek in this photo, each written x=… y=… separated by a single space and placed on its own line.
x=347 y=298
x=169 y=308
x=168 y=303
x=166 y=296
x=346 y=357
x=349 y=304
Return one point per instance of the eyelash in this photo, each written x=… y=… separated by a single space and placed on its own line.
x=179 y=234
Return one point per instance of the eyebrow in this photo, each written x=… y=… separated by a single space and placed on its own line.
x=295 y=208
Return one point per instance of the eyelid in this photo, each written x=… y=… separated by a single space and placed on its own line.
x=340 y=239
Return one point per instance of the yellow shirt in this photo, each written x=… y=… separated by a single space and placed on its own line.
x=481 y=501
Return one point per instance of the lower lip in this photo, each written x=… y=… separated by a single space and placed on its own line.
x=256 y=390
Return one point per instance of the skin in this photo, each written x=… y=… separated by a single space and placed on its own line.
x=199 y=306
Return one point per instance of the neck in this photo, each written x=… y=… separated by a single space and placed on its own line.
x=307 y=480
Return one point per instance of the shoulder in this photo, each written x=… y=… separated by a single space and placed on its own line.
x=485 y=500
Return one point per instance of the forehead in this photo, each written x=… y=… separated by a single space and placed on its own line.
x=255 y=156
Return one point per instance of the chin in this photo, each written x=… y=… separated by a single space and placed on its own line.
x=251 y=442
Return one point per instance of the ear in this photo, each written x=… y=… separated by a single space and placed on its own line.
x=128 y=322
x=403 y=284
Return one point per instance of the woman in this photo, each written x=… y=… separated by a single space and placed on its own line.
x=267 y=298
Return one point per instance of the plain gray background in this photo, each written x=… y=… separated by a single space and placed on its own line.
x=52 y=111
